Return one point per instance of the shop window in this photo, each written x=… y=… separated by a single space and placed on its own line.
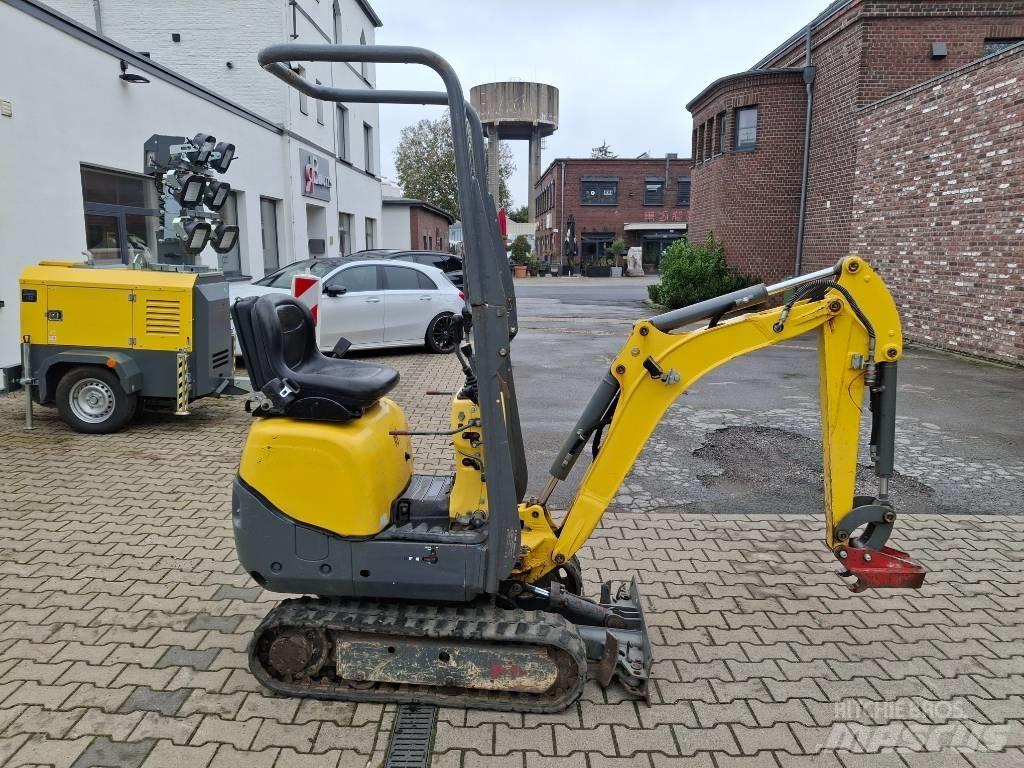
x=654 y=191
x=345 y=233
x=683 y=191
x=121 y=217
x=371 y=231
x=600 y=191
x=746 y=128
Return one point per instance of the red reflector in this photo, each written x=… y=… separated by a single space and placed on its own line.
x=111 y=362
x=462 y=295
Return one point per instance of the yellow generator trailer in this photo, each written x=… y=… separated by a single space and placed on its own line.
x=100 y=342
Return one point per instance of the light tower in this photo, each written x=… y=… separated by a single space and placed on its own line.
x=515 y=110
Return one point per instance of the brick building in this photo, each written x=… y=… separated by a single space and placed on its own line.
x=749 y=138
x=414 y=224
x=644 y=201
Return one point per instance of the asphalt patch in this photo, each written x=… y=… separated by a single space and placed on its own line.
x=766 y=470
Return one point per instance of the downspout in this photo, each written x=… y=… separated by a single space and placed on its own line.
x=98 y=15
x=561 y=216
x=809 y=75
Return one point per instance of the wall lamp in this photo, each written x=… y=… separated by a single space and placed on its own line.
x=131 y=77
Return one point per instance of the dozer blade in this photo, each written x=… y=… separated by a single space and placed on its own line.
x=623 y=652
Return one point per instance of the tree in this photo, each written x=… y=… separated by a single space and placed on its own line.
x=520 y=249
x=603 y=152
x=425 y=161
x=695 y=272
x=520 y=215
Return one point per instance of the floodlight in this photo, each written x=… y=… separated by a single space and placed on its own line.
x=217 y=194
x=194 y=233
x=225 y=237
x=223 y=154
x=190 y=193
x=205 y=144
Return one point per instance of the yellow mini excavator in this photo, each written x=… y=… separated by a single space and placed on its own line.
x=459 y=589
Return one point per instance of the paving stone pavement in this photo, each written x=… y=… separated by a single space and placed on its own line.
x=124 y=620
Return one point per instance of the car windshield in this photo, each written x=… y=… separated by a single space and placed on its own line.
x=283 y=277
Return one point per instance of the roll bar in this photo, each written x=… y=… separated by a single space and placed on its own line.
x=488 y=284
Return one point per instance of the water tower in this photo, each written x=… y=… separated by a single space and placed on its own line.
x=516 y=110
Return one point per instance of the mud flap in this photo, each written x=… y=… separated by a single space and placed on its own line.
x=621 y=653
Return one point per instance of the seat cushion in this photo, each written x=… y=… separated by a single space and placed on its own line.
x=278 y=339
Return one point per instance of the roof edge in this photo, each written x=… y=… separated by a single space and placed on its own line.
x=830 y=11
x=111 y=47
x=739 y=76
x=370 y=13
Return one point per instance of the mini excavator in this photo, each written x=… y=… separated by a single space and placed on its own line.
x=459 y=589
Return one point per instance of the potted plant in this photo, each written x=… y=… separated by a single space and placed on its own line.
x=617 y=248
x=521 y=255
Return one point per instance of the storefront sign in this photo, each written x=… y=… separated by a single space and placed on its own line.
x=664 y=216
x=315 y=175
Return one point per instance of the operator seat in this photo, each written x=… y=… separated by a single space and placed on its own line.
x=278 y=341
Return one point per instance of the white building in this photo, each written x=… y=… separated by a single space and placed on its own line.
x=72 y=130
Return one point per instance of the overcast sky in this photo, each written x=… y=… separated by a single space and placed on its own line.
x=624 y=68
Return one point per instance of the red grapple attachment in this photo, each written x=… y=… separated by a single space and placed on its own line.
x=884 y=568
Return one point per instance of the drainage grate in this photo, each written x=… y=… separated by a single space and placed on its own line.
x=412 y=736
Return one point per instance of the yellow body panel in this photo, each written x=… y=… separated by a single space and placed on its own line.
x=469 y=494
x=643 y=400
x=112 y=307
x=342 y=478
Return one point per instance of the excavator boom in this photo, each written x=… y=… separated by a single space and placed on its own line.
x=860 y=344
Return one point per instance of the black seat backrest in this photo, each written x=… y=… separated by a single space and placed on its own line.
x=241 y=314
x=276 y=334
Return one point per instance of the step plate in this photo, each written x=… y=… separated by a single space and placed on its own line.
x=423 y=661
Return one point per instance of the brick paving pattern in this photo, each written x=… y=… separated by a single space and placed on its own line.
x=124 y=620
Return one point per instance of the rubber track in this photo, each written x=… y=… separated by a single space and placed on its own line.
x=453 y=623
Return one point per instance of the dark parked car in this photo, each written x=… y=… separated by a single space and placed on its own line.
x=448 y=263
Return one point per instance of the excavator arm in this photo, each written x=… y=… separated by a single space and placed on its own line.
x=859 y=343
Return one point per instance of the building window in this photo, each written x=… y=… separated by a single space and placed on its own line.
x=364 y=66
x=319 y=108
x=337 y=23
x=344 y=234
x=342 y=133
x=996 y=44
x=121 y=217
x=371 y=228
x=654 y=191
x=683 y=191
x=368 y=147
x=746 y=128
x=303 y=98
x=600 y=191
x=700 y=143
x=721 y=145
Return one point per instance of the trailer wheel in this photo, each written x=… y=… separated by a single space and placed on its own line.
x=90 y=399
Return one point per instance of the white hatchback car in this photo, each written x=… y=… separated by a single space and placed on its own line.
x=374 y=303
